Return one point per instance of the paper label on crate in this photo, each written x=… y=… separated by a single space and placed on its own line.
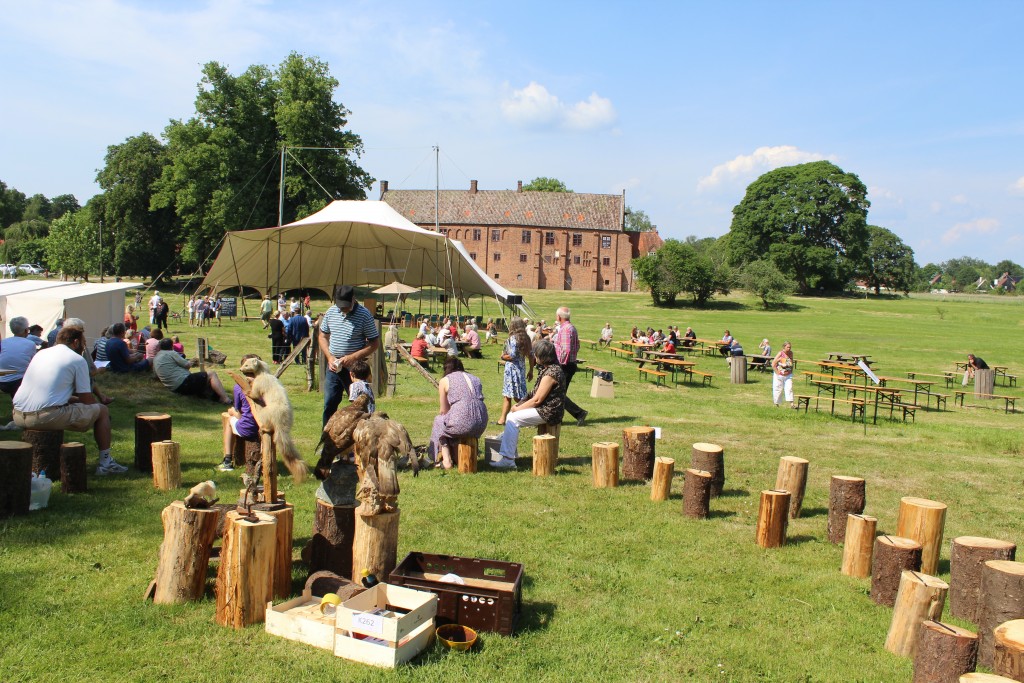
x=369 y=623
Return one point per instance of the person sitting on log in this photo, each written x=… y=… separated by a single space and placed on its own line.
x=241 y=424
x=121 y=359
x=55 y=395
x=16 y=355
x=462 y=412
x=973 y=363
x=544 y=405
x=173 y=371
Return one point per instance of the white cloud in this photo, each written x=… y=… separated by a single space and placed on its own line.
x=979 y=226
x=1018 y=187
x=958 y=199
x=535 y=106
x=748 y=166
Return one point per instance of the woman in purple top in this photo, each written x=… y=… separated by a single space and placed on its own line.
x=462 y=411
x=240 y=424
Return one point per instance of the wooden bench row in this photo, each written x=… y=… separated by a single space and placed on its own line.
x=1010 y=401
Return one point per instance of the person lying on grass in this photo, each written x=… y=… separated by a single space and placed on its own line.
x=173 y=371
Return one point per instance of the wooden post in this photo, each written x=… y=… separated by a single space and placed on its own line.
x=392 y=372
x=552 y=430
x=45 y=450
x=967 y=557
x=661 y=485
x=858 y=546
x=185 y=553
x=375 y=548
x=467 y=454
x=73 y=474
x=166 y=465
x=921 y=597
x=845 y=497
x=545 y=455
x=710 y=457
x=283 y=553
x=637 y=453
x=977 y=677
x=737 y=369
x=1002 y=600
x=792 y=477
x=149 y=427
x=697 y=493
x=984 y=384
x=923 y=520
x=772 y=518
x=269 y=454
x=944 y=652
x=604 y=462
x=245 y=577
x=893 y=555
x=334 y=528
x=15 y=477
x=1008 y=650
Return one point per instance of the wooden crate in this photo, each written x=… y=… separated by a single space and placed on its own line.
x=300 y=619
x=385 y=626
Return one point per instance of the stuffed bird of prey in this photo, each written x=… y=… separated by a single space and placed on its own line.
x=338 y=438
x=379 y=442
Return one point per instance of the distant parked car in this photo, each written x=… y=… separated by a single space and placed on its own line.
x=30 y=269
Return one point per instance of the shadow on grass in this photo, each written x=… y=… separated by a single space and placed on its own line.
x=734 y=493
x=535 y=616
x=813 y=512
x=720 y=514
x=799 y=539
x=618 y=419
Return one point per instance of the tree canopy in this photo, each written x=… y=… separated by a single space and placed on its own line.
x=888 y=262
x=638 y=221
x=683 y=267
x=543 y=184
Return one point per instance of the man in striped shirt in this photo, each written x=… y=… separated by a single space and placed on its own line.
x=567 y=345
x=347 y=333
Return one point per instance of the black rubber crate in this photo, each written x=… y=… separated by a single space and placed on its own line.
x=490 y=600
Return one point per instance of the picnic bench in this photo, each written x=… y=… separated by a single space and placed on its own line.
x=947 y=377
x=621 y=353
x=705 y=377
x=658 y=375
x=804 y=400
x=590 y=342
x=1010 y=401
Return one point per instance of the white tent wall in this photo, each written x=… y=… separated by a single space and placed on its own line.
x=99 y=305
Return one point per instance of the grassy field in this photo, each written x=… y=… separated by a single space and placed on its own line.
x=617 y=587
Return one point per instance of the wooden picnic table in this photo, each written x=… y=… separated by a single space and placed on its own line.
x=849 y=357
x=919 y=384
x=675 y=365
x=947 y=377
x=638 y=348
x=711 y=346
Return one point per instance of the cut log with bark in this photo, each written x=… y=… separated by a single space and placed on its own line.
x=1008 y=649
x=920 y=598
x=184 y=553
x=637 y=453
x=245 y=577
x=149 y=427
x=846 y=496
x=545 y=455
x=661 y=484
x=967 y=556
x=1002 y=600
x=166 y=465
x=467 y=452
x=283 y=553
x=978 y=677
x=73 y=468
x=321 y=583
x=268 y=452
x=858 y=546
x=944 y=653
x=45 y=450
x=375 y=548
x=238 y=444
x=772 y=519
x=792 y=477
x=923 y=520
x=697 y=493
x=15 y=477
x=892 y=556
x=604 y=461
x=252 y=454
x=334 y=528
x=710 y=457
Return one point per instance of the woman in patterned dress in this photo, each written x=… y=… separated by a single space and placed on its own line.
x=462 y=411
x=515 y=354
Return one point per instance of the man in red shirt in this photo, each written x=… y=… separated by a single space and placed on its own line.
x=567 y=345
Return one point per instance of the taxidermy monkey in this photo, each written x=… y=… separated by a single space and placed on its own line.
x=273 y=413
x=378 y=444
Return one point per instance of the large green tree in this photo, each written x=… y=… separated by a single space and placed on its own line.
x=12 y=205
x=961 y=274
x=888 y=262
x=762 y=279
x=72 y=246
x=680 y=267
x=638 y=221
x=810 y=220
x=543 y=184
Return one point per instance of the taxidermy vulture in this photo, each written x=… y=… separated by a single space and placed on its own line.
x=379 y=442
x=337 y=439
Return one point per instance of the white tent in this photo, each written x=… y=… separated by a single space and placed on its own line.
x=360 y=243
x=99 y=305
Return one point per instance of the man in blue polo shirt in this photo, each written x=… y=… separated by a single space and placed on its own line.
x=347 y=333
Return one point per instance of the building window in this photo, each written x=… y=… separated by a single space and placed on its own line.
x=527 y=236
x=606 y=241
x=495 y=235
x=443 y=231
x=519 y=277
x=547 y=259
x=497 y=276
x=472 y=255
x=606 y=261
x=576 y=260
x=549 y=238
x=476 y=234
x=522 y=258
x=577 y=239
x=607 y=282
x=497 y=256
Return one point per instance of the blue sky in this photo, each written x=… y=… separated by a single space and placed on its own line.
x=679 y=104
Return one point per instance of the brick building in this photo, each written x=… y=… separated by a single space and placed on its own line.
x=534 y=240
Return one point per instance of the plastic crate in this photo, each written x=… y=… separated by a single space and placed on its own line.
x=489 y=600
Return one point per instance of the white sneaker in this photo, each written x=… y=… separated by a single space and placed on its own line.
x=112 y=467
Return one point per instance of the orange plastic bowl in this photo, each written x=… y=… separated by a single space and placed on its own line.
x=456 y=637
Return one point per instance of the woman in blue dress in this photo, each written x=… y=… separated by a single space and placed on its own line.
x=516 y=353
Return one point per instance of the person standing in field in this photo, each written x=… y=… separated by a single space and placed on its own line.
x=347 y=333
x=266 y=308
x=567 y=345
x=782 y=375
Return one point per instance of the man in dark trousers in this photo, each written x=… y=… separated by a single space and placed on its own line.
x=567 y=345
x=347 y=333
x=973 y=363
x=298 y=329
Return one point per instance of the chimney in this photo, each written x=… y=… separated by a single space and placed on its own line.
x=519 y=188
x=472 y=187
x=383 y=188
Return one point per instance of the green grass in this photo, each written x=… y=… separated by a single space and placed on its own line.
x=617 y=587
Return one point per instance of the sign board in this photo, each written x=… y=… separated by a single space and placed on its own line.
x=228 y=307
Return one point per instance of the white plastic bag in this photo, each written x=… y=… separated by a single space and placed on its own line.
x=41 y=487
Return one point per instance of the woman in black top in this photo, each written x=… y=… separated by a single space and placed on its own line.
x=277 y=342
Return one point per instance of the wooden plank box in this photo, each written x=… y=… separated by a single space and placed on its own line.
x=300 y=619
x=385 y=626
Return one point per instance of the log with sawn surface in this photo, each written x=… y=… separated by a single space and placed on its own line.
x=710 y=457
x=545 y=455
x=772 y=519
x=73 y=469
x=638 y=453
x=845 y=497
x=604 y=461
x=696 y=493
x=944 y=653
x=285 y=517
x=15 y=477
x=892 y=556
x=184 y=553
x=467 y=454
x=858 y=546
x=920 y=598
x=967 y=557
x=245 y=577
x=792 y=477
x=166 y=465
x=923 y=521
x=334 y=528
x=45 y=450
x=375 y=548
x=1008 y=649
x=661 y=484
x=149 y=427
x=1001 y=600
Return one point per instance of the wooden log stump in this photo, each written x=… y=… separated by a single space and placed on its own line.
x=710 y=457
x=149 y=427
x=944 y=653
x=892 y=556
x=553 y=430
x=283 y=553
x=661 y=484
x=984 y=384
x=772 y=518
x=967 y=556
x=184 y=553
x=637 y=453
x=858 y=546
x=268 y=454
x=321 y=583
x=245 y=577
x=1008 y=649
x=375 y=548
x=604 y=462
x=545 y=455
x=334 y=528
x=737 y=369
x=1002 y=600
x=697 y=493
x=977 y=677
x=15 y=477
x=467 y=454
x=252 y=454
x=166 y=465
x=792 y=477
x=920 y=598
x=923 y=521
x=73 y=470
x=238 y=445
x=845 y=497
x=45 y=450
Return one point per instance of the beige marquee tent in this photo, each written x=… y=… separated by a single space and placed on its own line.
x=43 y=302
